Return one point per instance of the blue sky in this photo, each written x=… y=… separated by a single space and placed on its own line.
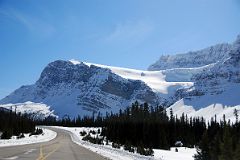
x=126 y=33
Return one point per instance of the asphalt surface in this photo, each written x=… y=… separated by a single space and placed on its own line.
x=60 y=148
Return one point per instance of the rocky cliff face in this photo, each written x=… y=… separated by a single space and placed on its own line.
x=223 y=72
x=193 y=59
x=215 y=91
x=81 y=89
x=218 y=78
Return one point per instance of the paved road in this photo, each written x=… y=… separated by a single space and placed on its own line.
x=60 y=148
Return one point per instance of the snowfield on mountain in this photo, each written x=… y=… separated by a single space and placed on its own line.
x=38 y=110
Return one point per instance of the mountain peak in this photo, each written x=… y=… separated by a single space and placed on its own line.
x=75 y=62
x=193 y=59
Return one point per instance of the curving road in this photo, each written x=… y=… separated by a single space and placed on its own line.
x=60 y=148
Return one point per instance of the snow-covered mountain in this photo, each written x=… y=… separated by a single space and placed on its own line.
x=193 y=59
x=217 y=78
x=203 y=80
x=72 y=87
x=216 y=90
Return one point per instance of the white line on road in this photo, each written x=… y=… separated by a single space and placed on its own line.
x=30 y=151
x=10 y=158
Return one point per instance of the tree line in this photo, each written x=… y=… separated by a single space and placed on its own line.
x=141 y=125
x=15 y=124
x=220 y=141
x=151 y=127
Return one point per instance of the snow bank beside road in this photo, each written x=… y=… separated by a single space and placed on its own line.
x=104 y=150
x=120 y=154
x=46 y=136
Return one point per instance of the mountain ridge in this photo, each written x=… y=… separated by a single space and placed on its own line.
x=192 y=59
x=74 y=87
x=81 y=89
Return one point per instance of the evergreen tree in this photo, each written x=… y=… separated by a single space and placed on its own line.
x=235 y=112
x=236 y=155
x=171 y=114
x=215 y=149
x=226 y=146
x=15 y=124
x=203 y=150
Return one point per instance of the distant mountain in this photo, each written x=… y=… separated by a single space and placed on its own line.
x=216 y=89
x=197 y=83
x=73 y=89
x=217 y=78
x=78 y=88
x=193 y=59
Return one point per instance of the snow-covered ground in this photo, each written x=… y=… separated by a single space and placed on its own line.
x=38 y=110
x=120 y=154
x=46 y=136
x=182 y=154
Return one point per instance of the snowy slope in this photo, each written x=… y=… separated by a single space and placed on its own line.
x=38 y=110
x=208 y=105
